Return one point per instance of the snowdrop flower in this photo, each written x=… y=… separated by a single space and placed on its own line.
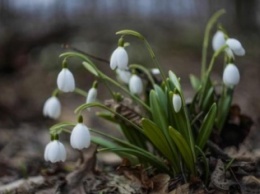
x=235 y=47
x=135 y=85
x=52 y=107
x=80 y=137
x=65 y=80
x=218 y=40
x=123 y=75
x=155 y=71
x=231 y=75
x=55 y=152
x=177 y=103
x=119 y=59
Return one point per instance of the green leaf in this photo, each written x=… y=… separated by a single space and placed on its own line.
x=175 y=80
x=207 y=126
x=195 y=82
x=108 y=144
x=146 y=154
x=157 y=137
x=157 y=111
x=184 y=149
x=90 y=68
x=209 y=99
x=162 y=99
x=130 y=32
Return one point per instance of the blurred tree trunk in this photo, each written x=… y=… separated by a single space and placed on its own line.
x=246 y=14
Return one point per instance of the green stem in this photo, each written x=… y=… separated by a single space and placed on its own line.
x=209 y=26
x=81 y=92
x=95 y=104
x=146 y=43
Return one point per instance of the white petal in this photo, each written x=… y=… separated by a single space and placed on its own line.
x=218 y=40
x=113 y=60
x=231 y=75
x=235 y=46
x=229 y=52
x=177 y=103
x=52 y=107
x=123 y=75
x=46 y=150
x=122 y=58
x=135 y=85
x=56 y=152
x=80 y=137
x=66 y=81
x=92 y=95
x=155 y=71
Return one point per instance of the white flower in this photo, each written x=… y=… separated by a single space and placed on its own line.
x=52 y=107
x=55 y=152
x=80 y=137
x=92 y=95
x=231 y=75
x=135 y=85
x=123 y=75
x=218 y=40
x=235 y=46
x=177 y=103
x=155 y=71
x=119 y=59
x=65 y=81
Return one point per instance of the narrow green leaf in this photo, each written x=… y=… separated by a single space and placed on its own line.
x=143 y=155
x=175 y=80
x=162 y=98
x=207 y=127
x=184 y=149
x=158 y=114
x=90 y=68
x=209 y=99
x=156 y=136
x=108 y=144
x=153 y=159
x=130 y=32
x=107 y=116
x=195 y=82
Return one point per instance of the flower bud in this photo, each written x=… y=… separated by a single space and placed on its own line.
x=80 y=137
x=52 y=108
x=135 y=85
x=231 y=75
x=177 y=102
x=92 y=95
x=65 y=81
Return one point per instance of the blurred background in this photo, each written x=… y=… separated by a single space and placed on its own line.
x=33 y=32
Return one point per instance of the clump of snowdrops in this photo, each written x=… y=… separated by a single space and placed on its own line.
x=162 y=132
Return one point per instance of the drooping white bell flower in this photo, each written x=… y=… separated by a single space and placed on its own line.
x=119 y=59
x=135 y=85
x=218 y=40
x=123 y=75
x=155 y=71
x=66 y=81
x=231 y=75
x=52 y=108
x=92 y=95
x=235 y=46
x=55 y=152
x=177 y=102
x=80 y=137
